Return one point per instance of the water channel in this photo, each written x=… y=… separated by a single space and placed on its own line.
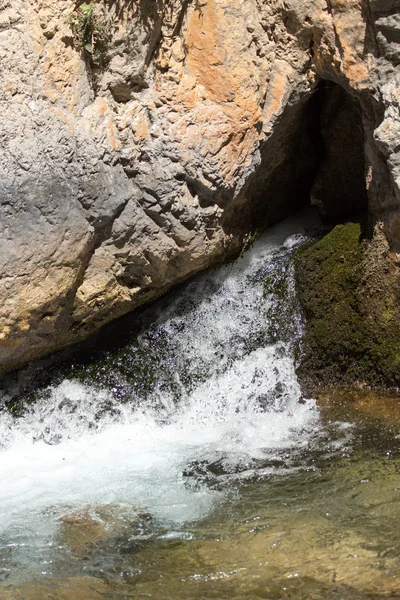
x=183 y=461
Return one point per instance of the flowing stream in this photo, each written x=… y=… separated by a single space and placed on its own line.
x=189 y=435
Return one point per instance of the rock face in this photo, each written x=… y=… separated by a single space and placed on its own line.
x=349 y=288
x=203 y=121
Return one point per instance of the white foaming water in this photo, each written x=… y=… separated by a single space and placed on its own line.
x=79 y=446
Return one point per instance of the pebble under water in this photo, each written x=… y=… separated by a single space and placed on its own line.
x=184 y=463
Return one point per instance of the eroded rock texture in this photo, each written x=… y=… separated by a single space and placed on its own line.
x=202 y=123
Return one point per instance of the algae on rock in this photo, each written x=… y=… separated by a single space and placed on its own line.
x=349 y=289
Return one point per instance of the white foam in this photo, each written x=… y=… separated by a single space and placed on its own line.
x=67 y=451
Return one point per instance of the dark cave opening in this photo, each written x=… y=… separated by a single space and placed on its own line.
x=339 y=186
x=314 y=155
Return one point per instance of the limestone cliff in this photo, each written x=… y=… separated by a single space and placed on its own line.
x=203 y=120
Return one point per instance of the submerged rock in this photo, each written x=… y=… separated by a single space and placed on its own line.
x=74 y=588
x=123 y=174
x=101 y=536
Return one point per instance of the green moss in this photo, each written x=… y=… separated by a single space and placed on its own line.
x=388 y=314
x=347 y=289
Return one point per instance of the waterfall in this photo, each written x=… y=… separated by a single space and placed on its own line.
x=205 y=395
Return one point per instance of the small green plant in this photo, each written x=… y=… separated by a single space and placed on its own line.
x=90 y=32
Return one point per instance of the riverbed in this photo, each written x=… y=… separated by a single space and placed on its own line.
x=181 y=460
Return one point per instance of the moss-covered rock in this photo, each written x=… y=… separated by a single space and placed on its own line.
x=349 y=289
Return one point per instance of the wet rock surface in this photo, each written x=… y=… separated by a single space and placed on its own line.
x=348 y=286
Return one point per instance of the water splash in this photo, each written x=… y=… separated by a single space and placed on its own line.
x=207 y=383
